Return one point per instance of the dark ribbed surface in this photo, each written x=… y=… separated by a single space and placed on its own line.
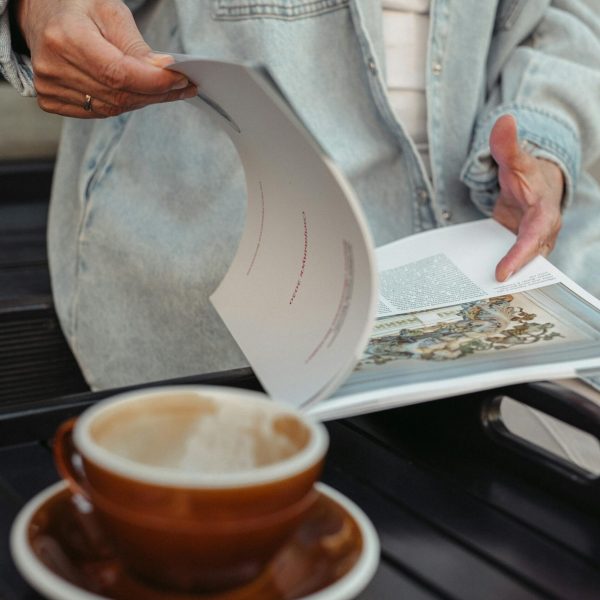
x=35 y=360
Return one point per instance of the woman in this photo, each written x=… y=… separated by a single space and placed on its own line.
x=148 y=205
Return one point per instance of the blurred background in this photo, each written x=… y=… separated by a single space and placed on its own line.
x=35 y=361
x=26 y=131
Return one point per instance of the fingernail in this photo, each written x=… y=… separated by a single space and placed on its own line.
x=180 y=84
x=509 y=276
x=160 y=60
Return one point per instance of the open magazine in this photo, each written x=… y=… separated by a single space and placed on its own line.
x=331 y=323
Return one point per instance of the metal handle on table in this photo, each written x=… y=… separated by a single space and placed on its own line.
x=556 y=401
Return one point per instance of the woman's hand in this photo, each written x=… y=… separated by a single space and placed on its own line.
x=92 y=50
x=529 y=204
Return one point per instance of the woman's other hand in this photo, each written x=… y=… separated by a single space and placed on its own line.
x=529 y=204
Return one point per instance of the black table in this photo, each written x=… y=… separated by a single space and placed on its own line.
x=459 y=514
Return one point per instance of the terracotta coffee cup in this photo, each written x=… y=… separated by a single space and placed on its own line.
x=197 y=487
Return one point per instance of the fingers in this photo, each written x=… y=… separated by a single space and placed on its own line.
x=91 y=54
x=522 y=252
x=537 y=235
x=70 y=103
x=106 y=102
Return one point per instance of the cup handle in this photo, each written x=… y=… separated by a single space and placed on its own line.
x=68 y=459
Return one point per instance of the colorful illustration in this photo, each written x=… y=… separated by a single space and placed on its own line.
x=454 y=332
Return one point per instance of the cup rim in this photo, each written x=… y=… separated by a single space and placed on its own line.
x=303 y=460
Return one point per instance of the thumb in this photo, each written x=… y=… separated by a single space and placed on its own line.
x=504 y=143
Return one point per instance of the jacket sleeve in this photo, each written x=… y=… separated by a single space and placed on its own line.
x=16 y=66
x=544 y=69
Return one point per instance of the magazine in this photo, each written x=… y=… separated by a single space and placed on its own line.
x=332 y=324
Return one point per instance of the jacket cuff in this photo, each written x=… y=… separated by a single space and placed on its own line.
x=543 y=135
x=15 y=68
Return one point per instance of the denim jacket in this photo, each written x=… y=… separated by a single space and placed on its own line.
x=147 y=207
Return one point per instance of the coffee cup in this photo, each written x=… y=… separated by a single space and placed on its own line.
x=197 y=487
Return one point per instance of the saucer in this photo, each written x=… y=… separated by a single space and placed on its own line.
x=61 y=551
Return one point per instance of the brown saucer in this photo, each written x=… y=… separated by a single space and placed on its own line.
x=60 y=549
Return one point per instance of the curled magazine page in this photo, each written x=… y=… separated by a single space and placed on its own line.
x=300 y=295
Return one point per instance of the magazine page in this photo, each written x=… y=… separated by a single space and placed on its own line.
x=300 y=295
x=538 y=325
x=450 y=265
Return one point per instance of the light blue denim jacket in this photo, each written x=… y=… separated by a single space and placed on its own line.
x=147 y=207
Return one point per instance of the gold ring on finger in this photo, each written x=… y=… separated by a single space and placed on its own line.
x=87 y=104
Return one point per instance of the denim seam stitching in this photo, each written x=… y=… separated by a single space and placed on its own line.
x=260 y=10
x=101 y=164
